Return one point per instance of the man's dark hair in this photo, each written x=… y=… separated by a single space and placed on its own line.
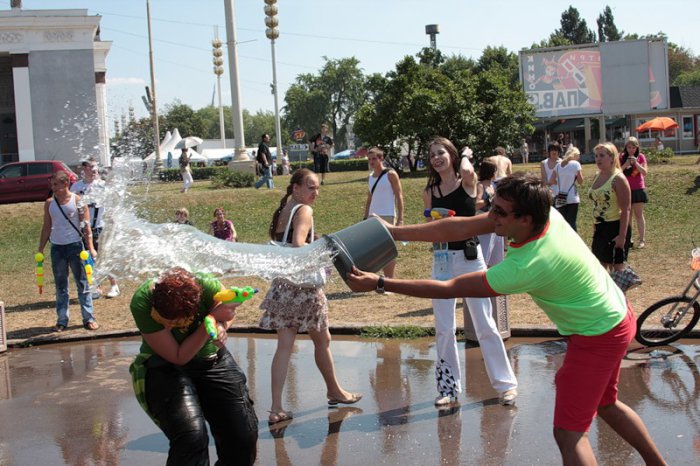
x=500 y=151
x=528 y=196
x=487 y=170
x=262 y=138
x=554 y=146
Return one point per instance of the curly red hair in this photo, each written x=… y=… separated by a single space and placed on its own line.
x=176 y=294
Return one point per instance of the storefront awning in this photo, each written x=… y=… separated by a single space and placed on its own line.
x=616 y=122
x=568 y=125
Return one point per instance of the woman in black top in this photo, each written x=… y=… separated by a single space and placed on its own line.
x=452 y=184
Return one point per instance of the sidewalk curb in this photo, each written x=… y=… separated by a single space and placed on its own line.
x=349 y=329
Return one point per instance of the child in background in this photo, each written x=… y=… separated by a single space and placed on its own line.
x=222 y=228
x=182 y=216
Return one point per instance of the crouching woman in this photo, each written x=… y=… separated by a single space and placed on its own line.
x=183 y=378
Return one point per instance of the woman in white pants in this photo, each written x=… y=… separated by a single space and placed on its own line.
x=452 y=185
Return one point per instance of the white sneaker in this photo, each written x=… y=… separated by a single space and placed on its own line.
x=114 y=291
x=445 y=400
x=508 y=397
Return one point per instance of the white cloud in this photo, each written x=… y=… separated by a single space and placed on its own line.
x=126 y=81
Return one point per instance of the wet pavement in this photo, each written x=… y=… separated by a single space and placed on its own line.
x=72 y=403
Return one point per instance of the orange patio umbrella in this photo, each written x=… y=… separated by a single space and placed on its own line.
x=658 y=124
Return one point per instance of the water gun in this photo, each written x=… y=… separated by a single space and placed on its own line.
x=437 y=213
x=87 y=263
x=210 y=327
x=39 y=259
x=235 y=294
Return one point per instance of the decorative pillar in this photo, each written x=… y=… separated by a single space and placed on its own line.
x=101 y=107
x=23 y=107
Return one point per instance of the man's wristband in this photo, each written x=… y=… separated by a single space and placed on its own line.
x=380 y=285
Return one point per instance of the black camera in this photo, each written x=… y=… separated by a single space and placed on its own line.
x=470 y=249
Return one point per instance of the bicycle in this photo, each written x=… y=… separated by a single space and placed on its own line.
x=674 y=317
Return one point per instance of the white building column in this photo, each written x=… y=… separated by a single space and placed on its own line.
x=23 y=107
x=102 y=128
x=601 y=129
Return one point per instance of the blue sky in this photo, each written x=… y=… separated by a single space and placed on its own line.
x=377 y=32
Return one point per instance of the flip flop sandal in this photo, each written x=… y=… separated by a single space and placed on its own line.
x=354 y=398
x=279 y=416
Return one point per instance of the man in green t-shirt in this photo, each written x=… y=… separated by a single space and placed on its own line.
x=547 y=260
x=184 y=377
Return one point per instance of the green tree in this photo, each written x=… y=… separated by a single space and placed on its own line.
x=688 y=78
x=419 y=101
x=259 y=123
x=136 y=138
x=181 y=116
x=607 y=30
x=333 y=95
x=574 y=28
x=209 y=116
x=680 y=61
x=500 y=59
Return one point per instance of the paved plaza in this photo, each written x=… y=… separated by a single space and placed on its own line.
x=72 y=403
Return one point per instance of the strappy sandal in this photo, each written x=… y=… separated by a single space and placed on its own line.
x=354 y=398
x=279 y=416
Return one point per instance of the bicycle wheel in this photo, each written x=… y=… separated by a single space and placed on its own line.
x=651 y=330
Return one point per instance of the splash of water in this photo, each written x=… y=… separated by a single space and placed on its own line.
x=133 y=248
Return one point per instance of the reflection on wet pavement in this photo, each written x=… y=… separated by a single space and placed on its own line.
x=73 y=404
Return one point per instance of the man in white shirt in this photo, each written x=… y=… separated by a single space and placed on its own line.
x=384 y=197
x=91 y=183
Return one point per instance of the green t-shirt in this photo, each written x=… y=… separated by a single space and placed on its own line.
x=564 y=278
x=141 y=310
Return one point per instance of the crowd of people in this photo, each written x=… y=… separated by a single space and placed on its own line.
x=184 y=377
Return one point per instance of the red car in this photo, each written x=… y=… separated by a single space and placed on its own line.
x=29 y=181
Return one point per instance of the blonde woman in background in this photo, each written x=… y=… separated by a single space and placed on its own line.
x=610 y=194
x=565 y=176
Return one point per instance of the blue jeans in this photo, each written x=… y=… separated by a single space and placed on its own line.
x=64 y=256
x=266 y=178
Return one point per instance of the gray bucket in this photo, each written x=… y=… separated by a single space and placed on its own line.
x=367 y=245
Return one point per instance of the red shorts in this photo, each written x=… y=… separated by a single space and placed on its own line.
x=589 y=376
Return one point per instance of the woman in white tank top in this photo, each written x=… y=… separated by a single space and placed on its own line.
x=67 y=225
x=548 y=166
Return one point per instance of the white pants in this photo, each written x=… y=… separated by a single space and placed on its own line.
x=493 y=247
x=447 y=371
x=187 y=179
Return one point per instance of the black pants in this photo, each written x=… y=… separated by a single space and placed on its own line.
x=182 y=398
x=569 y=212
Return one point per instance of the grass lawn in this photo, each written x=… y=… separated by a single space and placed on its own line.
x=672 y=225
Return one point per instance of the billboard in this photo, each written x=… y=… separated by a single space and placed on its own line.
x=608 y=78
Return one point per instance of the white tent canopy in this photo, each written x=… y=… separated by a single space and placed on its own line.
x=167 y=146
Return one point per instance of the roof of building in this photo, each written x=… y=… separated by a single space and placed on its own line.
x=685 y=96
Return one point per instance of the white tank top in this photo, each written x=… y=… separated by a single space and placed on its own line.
x=61 y=231
x=96 y=211
x=548 y=173
x=383 y=201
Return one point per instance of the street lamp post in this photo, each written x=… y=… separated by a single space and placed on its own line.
x=236 y=112
x=272 y=33
x=218 y=71
x=154 y=108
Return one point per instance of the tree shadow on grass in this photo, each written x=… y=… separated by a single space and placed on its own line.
x=696 y=186
x=418 y=313
x=343 y=295
x=38 y=305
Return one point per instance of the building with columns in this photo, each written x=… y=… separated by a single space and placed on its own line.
x=52 y=86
